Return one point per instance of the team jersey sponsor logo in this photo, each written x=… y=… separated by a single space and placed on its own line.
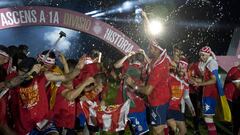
x=29 y=96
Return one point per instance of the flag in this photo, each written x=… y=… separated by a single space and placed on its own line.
x=111 y=118
x=223 y=110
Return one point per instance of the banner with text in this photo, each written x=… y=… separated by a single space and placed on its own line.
x=49 y=16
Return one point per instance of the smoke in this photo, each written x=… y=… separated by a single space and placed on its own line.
x=64 y=43
x=8 y=3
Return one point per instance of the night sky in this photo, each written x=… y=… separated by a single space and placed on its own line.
x=190 y=24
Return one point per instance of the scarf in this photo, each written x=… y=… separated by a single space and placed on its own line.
x=54 y=87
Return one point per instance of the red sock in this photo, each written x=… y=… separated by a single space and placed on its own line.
x=211 y=129
x=166 y=130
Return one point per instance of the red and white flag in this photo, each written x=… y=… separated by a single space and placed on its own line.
x=111 y=118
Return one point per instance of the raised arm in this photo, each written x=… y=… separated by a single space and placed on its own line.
x=20 y=78
x=120 y=62
x=64 y=62
x=73 y=94
x=145 y=55
x=69 y=76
